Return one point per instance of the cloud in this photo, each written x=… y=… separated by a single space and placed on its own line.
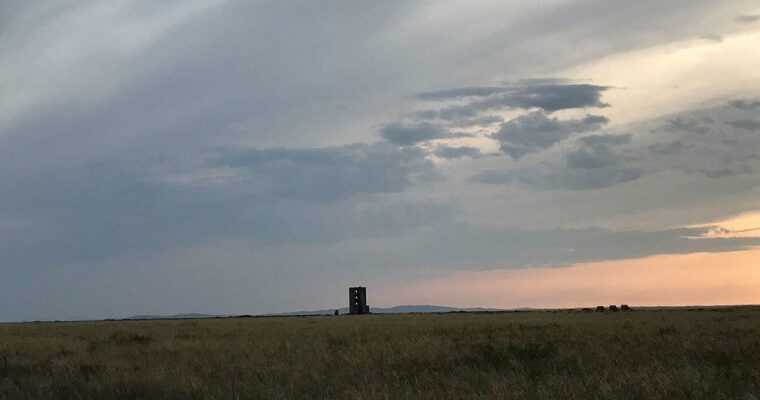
x=712 y=37
x=253 y=153
x=593 y=163
x=451 y=246
x=605 y=140
x=746 y=105
x=595 y=156
x=549 y=97
x=536 y=131
x=331 y=173
x=741 y=169
x=746 y=124
x=681 y=124
x=748 y=19
x=584 y=175
x=597 y=151
x=482 y=121
x=411 y=134
x=668 y=148
x=113 y=208
x=456 y=93
x=670 y=144
x=457 y=152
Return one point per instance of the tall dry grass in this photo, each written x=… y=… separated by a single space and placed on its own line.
x=533 y=355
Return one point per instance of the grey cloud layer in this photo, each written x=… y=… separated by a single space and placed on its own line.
x=748 y=19
x=746 y=124
x=458 y=152
x=712 y=143
x=598 y=151
x=668 y=148
x=559 y=177
x=131 y=130
x=275 y=195
x=410 y=134
x=525 y=134
x=548 y=97
x=536 y=131
x=747 y=105
x=564 y=246
x=329 y=173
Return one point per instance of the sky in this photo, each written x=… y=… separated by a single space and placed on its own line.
x=246 y=156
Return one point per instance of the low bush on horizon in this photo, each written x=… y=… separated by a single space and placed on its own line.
x=673 y=354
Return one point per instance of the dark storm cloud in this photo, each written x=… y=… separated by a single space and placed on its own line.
x=746 y=124
x=408 y=134
x=546 y=96
x=457 y=152
x=537 y=131
x=746 y=105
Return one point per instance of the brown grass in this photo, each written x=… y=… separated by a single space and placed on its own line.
x=710 y=354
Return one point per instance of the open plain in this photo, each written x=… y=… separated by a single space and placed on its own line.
x=643 y=354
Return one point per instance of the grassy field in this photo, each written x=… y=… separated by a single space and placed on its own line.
x=708 y=354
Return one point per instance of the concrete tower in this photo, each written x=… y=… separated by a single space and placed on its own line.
x=357 y=300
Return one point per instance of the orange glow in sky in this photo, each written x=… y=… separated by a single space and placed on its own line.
x=701 y=278
x=743 y=225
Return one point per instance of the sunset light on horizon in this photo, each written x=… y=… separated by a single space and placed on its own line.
x=696 y=279
x=255 y=157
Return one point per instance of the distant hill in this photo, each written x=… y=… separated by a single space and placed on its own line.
x=175 y=316
x=405 y=309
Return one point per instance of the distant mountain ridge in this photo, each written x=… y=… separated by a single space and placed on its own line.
x=403 y=309
x=176 y=316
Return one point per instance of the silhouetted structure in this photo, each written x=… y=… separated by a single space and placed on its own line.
x=357 y=300
x=613 y=308
x=599 y=308
x=624 y=307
